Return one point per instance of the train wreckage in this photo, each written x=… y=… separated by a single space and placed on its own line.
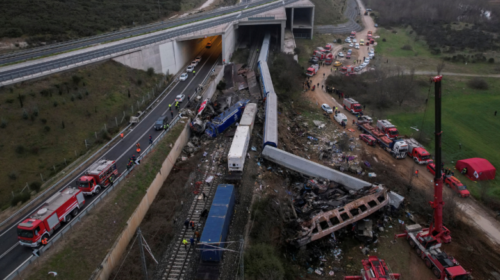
x=331 y=202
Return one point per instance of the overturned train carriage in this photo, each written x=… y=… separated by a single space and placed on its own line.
x=348 y=200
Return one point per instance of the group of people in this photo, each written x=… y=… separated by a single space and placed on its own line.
x=197 y=234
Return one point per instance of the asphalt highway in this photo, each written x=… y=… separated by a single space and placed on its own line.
x=12 y=255
x=85 y=42
x=27 y=70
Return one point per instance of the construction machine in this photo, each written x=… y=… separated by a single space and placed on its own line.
x=427 y=241
x=374 y=269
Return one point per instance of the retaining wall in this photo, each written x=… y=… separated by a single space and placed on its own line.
x=113 y=258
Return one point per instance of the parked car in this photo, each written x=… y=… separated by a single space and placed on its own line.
x=160 y=122
x=348 y=40
x=357 y=69
x=366 y=118
x=314 y=60
x=337 y=64
x=190 y=68
x=348 y=56
x=368 y=139
x=362 y=42
x=364 y=64
x=183 y=77
x=198 y=59
x=431 y=167
x=349 y=51
x=356 y=46
x=209 y=45
x=180 y=98
x=327 y=108
x=351 y=45
x=371 y=55
x=194 y=63
x=340 y=54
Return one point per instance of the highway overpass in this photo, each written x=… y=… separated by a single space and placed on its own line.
x=166 y=47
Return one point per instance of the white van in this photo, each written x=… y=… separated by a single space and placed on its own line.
x=341 y=118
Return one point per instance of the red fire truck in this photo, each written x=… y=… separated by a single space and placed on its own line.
x=417 y=152
x=61 y=207
x=352 y=106
x=388 y=128
x=97 y=177
x=374 y=268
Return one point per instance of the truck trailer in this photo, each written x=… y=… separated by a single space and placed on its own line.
x=248 y=117
x=59 y=208
x=417 y=152
x=98 y=176
x=216 y=228
x=237 y=152
x=396 y=147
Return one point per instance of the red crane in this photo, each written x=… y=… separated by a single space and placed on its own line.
x=427 y=241
x=374 y=269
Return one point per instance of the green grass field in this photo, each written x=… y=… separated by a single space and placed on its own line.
x=58 y=115
x=420 y=56
x=467 y=119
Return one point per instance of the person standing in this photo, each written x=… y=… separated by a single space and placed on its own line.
x=416 y=173
x=172 y=114
x=150 y=140
x=191 y=240
x=186 y=224
x=197 y=234
x=184 y=241
x=192 y=225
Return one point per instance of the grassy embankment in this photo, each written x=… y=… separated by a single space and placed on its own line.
x=420 y=56
x=467 y=118
x=58 y=114
x=329 y=12
x=106 y=221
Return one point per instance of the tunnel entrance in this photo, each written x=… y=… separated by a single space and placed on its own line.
x=250 y=41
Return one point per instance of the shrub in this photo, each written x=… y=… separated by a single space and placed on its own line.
x=384 y=40
x=35 y=186
x=63 y=125
x=394 y=31
x=22 y=197
x=35 y=112
x=47 y=128
x=9 y=101
x=221 y=85
x=35 y=150
x=139 y=82
x=13 y=175
x=296 y=51
x=150 y=71
x=477 y=83
x=44 y=121
x=76 y=80
x=3 y=124
x=25 y=115
x=339 y=41
x=20 y=149
x=72 y=98
x=86 y=93
x=55 y=103
x=491 y=60
x=262 y=262
x=407 y=48
x=80 y=96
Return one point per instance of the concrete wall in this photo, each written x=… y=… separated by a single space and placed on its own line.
x=229 y=38
x=212 y=86
x=115 y=254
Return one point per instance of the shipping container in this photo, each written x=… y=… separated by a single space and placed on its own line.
x=248 y=117
x=239 y=147
x=217 y=225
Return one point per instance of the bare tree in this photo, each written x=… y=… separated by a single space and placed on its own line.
x=402 y=85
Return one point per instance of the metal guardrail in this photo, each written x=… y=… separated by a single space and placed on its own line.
x=76 y=219
x=29 y=204
x=129 y=30
x=111 y=51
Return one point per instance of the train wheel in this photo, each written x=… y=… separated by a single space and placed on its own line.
x=436 y=272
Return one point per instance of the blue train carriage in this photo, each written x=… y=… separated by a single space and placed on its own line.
x=217 y=225
x=226 y=119
x=265 y=79
x=264 y=50
x=271 y=122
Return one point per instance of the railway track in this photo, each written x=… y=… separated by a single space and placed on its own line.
x=180 y=258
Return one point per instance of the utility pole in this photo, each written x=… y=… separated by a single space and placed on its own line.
x=143 y=257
